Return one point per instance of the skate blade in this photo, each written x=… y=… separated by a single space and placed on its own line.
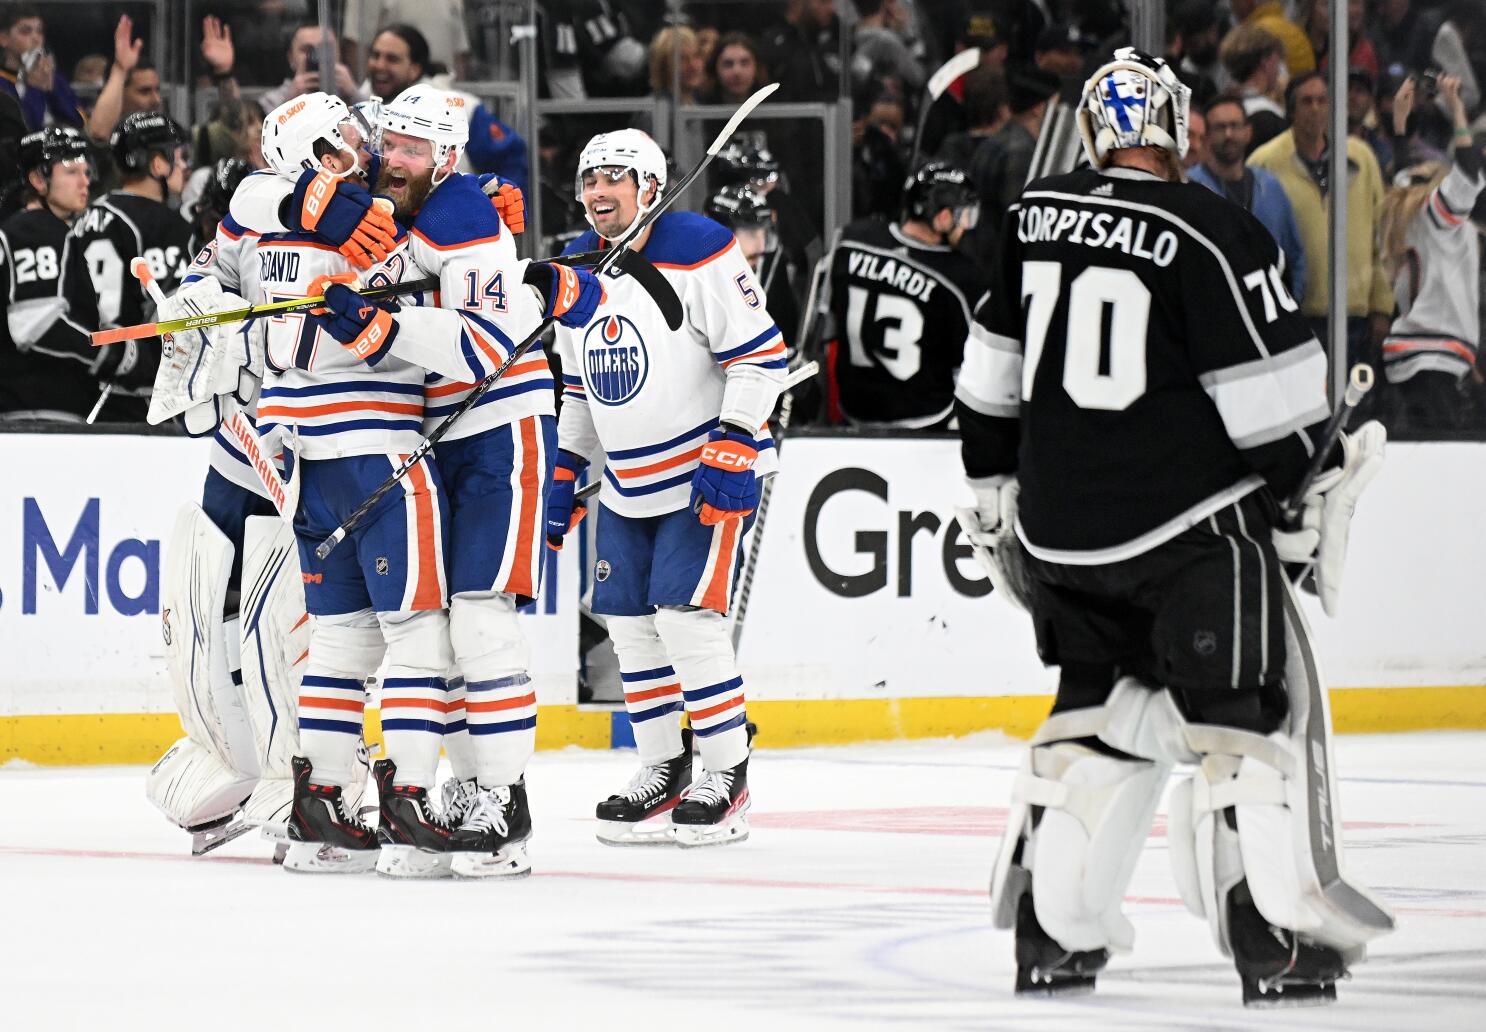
x=1294 y=996
x=205 y=840
x=653 y=832
x=412 y=862
x=511 y=862
x=318 y=858
x=1063 y=988
x=697 y=836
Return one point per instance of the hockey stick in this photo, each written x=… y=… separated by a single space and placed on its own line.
x=285 y=496
x=611 y=256
x=947 y=73
x=1359 y=382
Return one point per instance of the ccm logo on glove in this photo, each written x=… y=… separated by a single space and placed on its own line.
x=728 y=455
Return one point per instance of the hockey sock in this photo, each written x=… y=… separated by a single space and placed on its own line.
x=500 y=705
x=456 y=731
x=652 y=692
x=332 y=697
x=413 y=724
x=698 y=642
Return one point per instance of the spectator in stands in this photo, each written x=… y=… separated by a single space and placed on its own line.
x=1196 y=139
x=226 y=134
x=1431 y=250
x=879 y=48
x=1300 y=158
x=1253 y=58
x=803 y=51
x=736 y=71
x=1315 y=18
x=304 y=65
x=89 y=72
x=878 y=165
x=677 y=70
x=29 y=73
x=1030 y=90
x=1059 y=50
x=987 y=109
x=1401 y=37
x=1192 y=35
x=947 y=115
x=1362 y=119
x=1255 y=190
x=1270 y=16
x=133 y=84
x=441 y=23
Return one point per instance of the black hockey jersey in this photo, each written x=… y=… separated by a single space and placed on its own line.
x=1138 y=364
x=46 y=362
x=900 y=310
x=116 y=229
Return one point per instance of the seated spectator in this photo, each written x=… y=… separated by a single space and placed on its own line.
x=878 y=166
x=29 y=73
x=1059 y=50
x=1253 y=59
x=736 y=71
x=677 y=70
x=987 y=109
x=441 y=23
x=1315 y=18
x=1431 y=250
x=226 y=134
x=879 y=49
x=804 y=53
x=1255 y=190
x=305 y=72
x=1269 y=15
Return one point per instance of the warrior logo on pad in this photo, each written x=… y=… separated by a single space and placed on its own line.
x=615 y=360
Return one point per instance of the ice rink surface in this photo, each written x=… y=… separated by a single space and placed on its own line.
x=859 y=902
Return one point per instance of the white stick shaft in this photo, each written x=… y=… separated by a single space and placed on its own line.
x=743 y=112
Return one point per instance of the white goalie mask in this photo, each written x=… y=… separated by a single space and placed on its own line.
x=425 y=112
x=1133 y=101
x=615 y=154
x=291 y=131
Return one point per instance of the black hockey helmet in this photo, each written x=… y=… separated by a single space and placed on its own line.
x=936 y=186
x=740 y=206
x=745 y=159
x=42 y=149
x=143 y=134
x=216 y=195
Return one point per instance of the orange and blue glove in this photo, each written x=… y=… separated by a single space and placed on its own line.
x=344 y=215
x=724 y=486
x=362 y=326
x=508 y=200
x=569 y=295
x=563 y=512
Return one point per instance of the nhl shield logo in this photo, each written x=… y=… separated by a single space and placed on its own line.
x=615 y=360
x=1205 y=643
x=382 y=565
x=601 y=570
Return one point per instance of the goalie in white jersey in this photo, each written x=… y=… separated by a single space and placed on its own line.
x=680 y=417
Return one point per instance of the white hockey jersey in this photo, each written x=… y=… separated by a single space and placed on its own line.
x=649 y=396
x=1437 y=286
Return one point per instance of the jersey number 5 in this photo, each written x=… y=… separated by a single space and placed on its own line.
x=1097 y=373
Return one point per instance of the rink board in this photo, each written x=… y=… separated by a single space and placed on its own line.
x=867 y=619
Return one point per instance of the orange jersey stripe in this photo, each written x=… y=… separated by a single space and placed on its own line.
x=454 y=247
x=1452 y=346
x=716 y=595
x=314 y=702
x=495 y=705
x=335 y=408
x=443 y=390
x=776 y=349
x=657 y=467
x=520 y=581
x=428 y=594
x=431 y=704
x=712 y=711
x=653 y=693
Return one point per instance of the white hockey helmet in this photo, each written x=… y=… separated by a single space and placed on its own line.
x=1135 y=100
x=425 y=112
x=625 y=150
x=291 y=130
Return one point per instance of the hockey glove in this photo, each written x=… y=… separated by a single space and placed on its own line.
x=343 y=214
x=990 y=528
x=563 y=514
x=509 y=203
x=196 y=366
x=363 y=327
x=569 y=295
x=1326 y=512
x=724 y=486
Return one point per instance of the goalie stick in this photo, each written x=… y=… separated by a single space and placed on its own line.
x=610 y=257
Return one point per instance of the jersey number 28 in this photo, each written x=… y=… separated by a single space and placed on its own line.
x=1092 y=379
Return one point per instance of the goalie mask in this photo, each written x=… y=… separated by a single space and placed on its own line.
x=1133 y=101
x=625 y=152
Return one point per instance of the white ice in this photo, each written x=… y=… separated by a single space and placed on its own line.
x=859 y=902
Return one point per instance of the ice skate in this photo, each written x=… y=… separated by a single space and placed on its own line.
x=711 y=813
x=1278 y=967
x=414 y=837
x=1044 y=968
x=491 y=843
x=326 y=836
x=641 y=814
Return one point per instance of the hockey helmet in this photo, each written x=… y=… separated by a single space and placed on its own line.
x=1135 y=100
x=292 y=130
x=745 y=159
x=625 y=151
x=425 y=112
x=216 y=195
x=39 y=151
x=936 y=186
x=741 y=207
x=143 y=135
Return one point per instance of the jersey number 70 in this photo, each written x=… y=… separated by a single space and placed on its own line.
x=1091 y=380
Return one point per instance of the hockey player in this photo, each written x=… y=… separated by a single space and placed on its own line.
x=1141 y=370
x=496 y=461
x=137 y=220
x=747 y=213
x=900 y=299
x=681 y=417
x=48 y=369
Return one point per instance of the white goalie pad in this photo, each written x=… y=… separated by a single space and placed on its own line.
x=275 y=641
x=1287 y=842
x=193 y=594
x=194 y=788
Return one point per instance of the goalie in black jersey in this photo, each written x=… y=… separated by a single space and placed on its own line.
x=1138 y=390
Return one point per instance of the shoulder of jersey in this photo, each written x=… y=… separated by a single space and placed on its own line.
x=872 y=230
x=457 y=213
x=30 y=220
x=686 y=239
x=234 y=230
x=586 y=241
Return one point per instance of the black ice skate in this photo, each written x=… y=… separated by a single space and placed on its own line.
x=491 y=843
x=456 y=799
x=325 y=834
x=1278 y=968
x=1044 y=968
x=711 y=813
x=641 y=814
x=414 y=837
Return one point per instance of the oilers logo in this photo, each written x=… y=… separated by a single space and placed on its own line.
x=616 y=362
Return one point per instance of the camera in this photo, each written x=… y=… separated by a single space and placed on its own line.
x=312 y=61
x=1429 y=83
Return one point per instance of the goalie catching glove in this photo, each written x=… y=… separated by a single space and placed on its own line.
x=344 y=214
x=1320 y=534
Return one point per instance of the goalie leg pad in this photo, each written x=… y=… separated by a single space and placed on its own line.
x=275 y=641
x=500 y=705
x=193 y=787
